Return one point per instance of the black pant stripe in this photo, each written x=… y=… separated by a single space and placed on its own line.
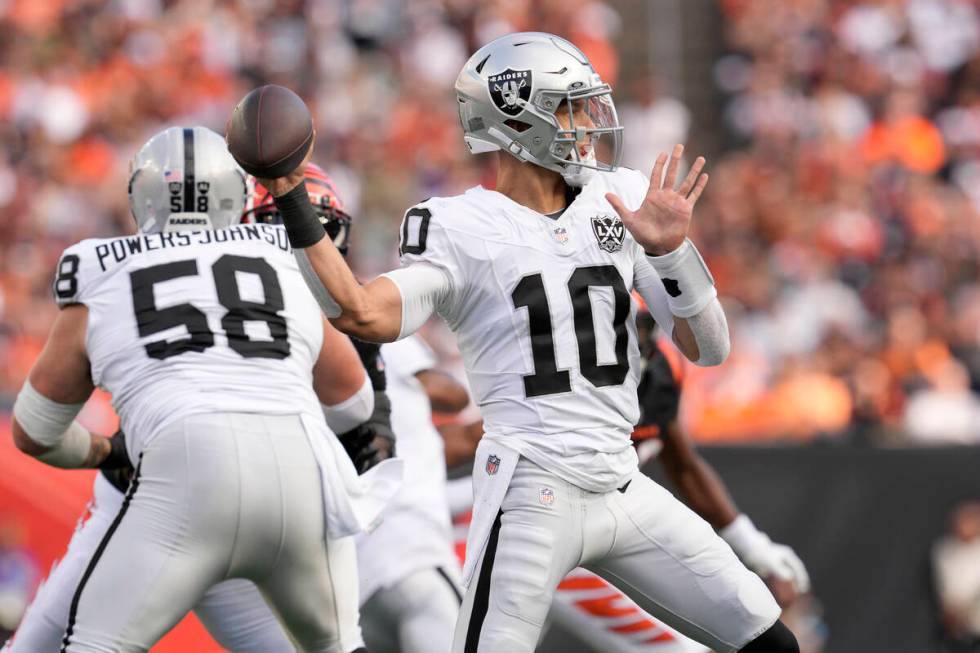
x=481 y=599
x=189 y=170
x=73 y=610
x=452 y=585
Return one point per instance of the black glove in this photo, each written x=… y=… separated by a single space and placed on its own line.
x=365 y=448
x=118 y=456
x=373 y=441
x=116 y=467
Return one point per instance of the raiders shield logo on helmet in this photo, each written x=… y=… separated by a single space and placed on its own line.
x=609 y=231
x=510 y=89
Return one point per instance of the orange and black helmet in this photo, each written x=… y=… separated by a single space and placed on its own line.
x=323 y=196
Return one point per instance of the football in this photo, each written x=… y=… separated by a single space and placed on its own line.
x=270 y=131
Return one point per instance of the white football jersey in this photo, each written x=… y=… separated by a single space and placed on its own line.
x=191 y=322
x=544 y=319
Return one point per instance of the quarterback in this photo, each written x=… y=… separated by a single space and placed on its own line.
x=535 y=279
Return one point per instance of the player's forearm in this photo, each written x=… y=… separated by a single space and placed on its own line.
x=703 y=338
x=681 y=277
x=353 y=308
x=47 y=430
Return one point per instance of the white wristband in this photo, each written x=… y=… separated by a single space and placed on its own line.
x=689 y=285
x=351 y=412
x=45 y=421
x=743 y=536
x=73 y=450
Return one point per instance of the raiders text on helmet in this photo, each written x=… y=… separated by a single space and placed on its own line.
x=184 y=179
x=508 y=93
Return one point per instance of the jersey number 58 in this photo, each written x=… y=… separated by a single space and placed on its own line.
x=150 y=319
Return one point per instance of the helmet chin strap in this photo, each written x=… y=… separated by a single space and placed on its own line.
x=576 y=175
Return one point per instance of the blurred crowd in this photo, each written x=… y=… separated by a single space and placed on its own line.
x=841 y=222
x=845 y=229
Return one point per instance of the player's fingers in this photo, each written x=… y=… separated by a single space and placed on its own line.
x=675 y=162
x=691 y=177
x=657 y=176
x=698 y=188
x=620 y=208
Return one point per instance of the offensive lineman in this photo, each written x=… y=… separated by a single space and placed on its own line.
x=233 y=611
x=179 y=326
x=535 y=279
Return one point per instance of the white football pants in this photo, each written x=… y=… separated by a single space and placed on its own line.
x=218 y=496
x=641 y=539
x=414 y=615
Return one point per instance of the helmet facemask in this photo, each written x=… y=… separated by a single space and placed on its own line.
x=596 y=105
x=326 y=204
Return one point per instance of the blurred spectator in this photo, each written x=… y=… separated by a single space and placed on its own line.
x=956 y=567
x=19 y=575
x=653 y=123
x=844 y=231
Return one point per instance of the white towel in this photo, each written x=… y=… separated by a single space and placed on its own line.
x=352 y=503
x=492 y=470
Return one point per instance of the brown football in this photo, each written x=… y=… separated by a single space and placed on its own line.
x=270 y=131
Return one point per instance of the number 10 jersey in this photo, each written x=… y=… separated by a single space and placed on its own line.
x=192 y=322
x=544 y=318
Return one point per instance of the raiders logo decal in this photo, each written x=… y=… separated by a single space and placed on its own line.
x=609 y=231
x=510 y=89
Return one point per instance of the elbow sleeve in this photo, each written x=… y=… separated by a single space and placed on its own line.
x=423 y=289
x=327 y=304
x=710 y=329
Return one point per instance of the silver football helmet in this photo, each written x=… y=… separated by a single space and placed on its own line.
x=508 y=93
x=185 y=179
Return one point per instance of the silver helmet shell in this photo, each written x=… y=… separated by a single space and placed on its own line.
x=508 y=93
x=184 y=178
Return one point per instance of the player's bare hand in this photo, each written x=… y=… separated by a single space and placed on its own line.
x=784 y=591
x=662 y=221
x=282 y=185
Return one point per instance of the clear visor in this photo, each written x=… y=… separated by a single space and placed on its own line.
x=589 y=133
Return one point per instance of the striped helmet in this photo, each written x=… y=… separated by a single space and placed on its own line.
x=184 y=179
x=323 y=196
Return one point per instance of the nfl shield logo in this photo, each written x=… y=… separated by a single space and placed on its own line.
x=493 y=464
x=609 y=231
x=547 y=496
x=561 y=235
x=509 y=90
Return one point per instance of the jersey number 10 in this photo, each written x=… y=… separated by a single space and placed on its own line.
x=547 y=379
x=150 y=319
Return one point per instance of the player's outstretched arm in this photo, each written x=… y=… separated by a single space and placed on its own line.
x=57 y=387
x=673 y=269
x=703 y=490
x=379 y=311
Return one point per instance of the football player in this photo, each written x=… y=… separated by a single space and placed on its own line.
x=233 y=612
x=179 y=323
x=535 y=279
x=588 y=606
